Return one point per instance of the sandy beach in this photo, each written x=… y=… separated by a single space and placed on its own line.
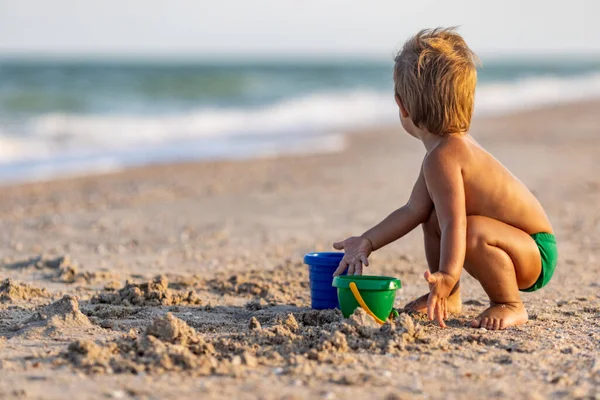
x=187 y=281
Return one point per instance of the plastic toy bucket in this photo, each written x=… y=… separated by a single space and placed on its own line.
x=377 y=293
x=321 y=267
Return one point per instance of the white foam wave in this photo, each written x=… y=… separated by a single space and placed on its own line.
x=498 y=98
x=53 y=138
x=53 y=134
x=312 y=113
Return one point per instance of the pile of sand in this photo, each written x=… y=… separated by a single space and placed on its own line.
x=153 y=293
x=168 y=344
x=66 y=270
x=11 y=291
x=293 y=342
x=285 y=284
x=322 y=335
x=62 y=317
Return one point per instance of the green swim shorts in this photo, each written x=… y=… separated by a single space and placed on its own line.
x=546 y=242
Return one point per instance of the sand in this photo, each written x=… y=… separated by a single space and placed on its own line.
x=186 y=280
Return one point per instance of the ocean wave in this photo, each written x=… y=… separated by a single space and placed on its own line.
x=319 y=111
x=500 y=98
x=68 y=139
x=53 y=134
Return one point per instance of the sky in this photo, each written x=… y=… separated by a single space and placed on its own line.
x=297 y=28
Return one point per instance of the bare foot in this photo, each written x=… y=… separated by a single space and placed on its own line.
x=420 y=304
x=500 y=316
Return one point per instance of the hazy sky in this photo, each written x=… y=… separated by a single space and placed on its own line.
x=293 y=27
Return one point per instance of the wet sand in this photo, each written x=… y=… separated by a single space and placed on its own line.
x=187 y=280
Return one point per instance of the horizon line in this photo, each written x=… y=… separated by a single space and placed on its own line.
x=304 y=57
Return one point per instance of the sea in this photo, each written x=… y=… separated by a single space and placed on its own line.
x=62 y=118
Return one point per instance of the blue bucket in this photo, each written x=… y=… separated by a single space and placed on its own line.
x=321 y=267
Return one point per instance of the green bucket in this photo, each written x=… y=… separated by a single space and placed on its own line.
x=377 y=293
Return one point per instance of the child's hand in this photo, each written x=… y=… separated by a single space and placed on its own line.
x=440 y=287
x=357 y=250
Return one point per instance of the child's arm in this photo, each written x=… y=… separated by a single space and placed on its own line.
x=443 y=174
x=396 y=225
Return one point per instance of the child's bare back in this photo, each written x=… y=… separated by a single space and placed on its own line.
x=475 y=214
x=492 y=191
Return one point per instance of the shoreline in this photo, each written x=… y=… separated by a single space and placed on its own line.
x=339 y=142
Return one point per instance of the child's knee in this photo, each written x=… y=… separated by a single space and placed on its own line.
x=475 y=235
x=480 y=243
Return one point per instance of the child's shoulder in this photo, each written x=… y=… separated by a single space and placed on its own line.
x=452 y=151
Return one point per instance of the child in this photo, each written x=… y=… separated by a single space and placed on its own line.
x=474 y=213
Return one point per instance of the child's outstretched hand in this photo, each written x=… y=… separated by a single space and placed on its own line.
x=357 y=250
x=440 y=287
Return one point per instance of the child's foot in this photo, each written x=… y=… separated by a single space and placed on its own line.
x=500 y=316
x=420 y=304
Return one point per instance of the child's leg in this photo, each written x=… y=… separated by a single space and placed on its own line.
x=503 y=259
x=432 y=236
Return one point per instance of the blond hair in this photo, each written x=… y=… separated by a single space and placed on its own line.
x=435 y=76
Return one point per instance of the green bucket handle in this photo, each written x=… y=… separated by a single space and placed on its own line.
x=359 y=299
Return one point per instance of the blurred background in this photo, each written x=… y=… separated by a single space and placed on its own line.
x=97 y=86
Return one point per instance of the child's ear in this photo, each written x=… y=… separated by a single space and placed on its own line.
x=403 y=111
